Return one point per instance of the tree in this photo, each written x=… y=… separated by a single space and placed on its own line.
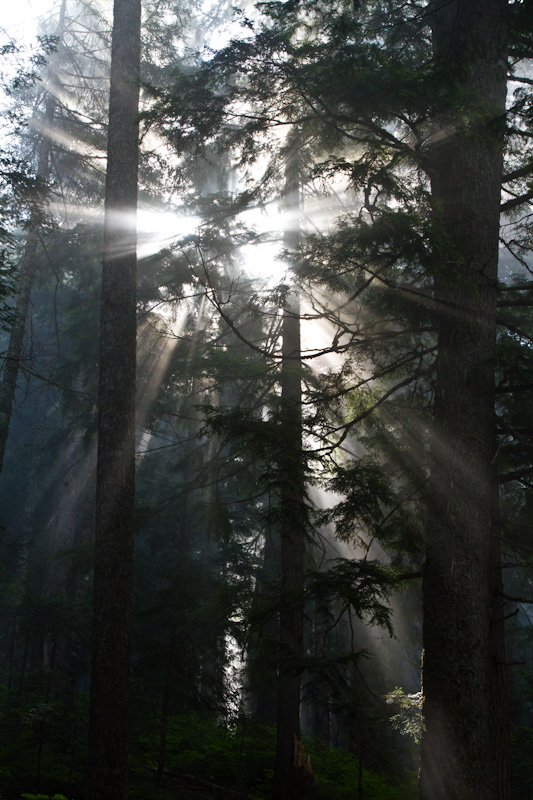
x=465 y=744
x=292 y=773
x=115 y=488
x=27 y=267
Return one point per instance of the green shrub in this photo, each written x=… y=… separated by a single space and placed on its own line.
x=337 y=775
x=242 y=756
x=26 y=796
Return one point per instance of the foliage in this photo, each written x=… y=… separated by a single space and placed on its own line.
x=361 y=585
x=27 y=796
x=338 y=773
x=241 y=756
x=409 y=717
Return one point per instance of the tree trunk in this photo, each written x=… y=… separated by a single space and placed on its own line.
x=115 y=481
x=291 y=777
x=321 y=715
x=462 y=756
x=262 y=680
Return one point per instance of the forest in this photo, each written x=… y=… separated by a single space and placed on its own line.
x=266 y=400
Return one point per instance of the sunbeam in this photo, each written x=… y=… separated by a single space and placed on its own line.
x=157 y=339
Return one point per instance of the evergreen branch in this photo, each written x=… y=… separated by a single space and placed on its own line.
x=515 y=475
x=521 y=79
x=521 y=172
x=51 y=382
x=523 y=302
x=346 y=428
x=377 y=375
x=515 y=202
x=526 y=600
x=515 y=329
x=524 y=287
x=519 y=387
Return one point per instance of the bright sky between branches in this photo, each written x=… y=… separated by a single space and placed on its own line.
x=20 y=19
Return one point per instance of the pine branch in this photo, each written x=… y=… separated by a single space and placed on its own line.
x=527 y=600
x=521 y=172
x=515 y=475
x=525 y=301
x=515 y=202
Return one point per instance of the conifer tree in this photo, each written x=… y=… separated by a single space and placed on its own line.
x=465 y=744
x=115 y=488
x=28 y=266
x=292 y=774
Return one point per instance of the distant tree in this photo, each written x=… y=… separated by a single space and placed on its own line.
x=28 y=262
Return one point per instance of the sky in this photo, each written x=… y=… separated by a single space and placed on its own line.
x=19 y=18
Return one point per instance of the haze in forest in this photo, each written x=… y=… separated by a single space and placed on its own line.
x=265 y=400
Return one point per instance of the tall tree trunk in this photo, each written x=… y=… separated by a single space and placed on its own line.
x=321 y=715
x=499 y=688
x=28 y=267
x=462 y=756
x=262 y=679
x=25 y=543
x=115 y=481
x=290 y=773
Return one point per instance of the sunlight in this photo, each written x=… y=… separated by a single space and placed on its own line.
x=221 y=35
x=263 y=261
x=391 y=660
x=158 y=336
x=318 y=213
x=159 y=229
x=156 y=346
x=20 y=20
x=156 y=230
x=65 y=139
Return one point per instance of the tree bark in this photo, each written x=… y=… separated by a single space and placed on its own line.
x=290 y=776
x=262 y=679
x=321 y=714
x=462 y=756
x=115 y=481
